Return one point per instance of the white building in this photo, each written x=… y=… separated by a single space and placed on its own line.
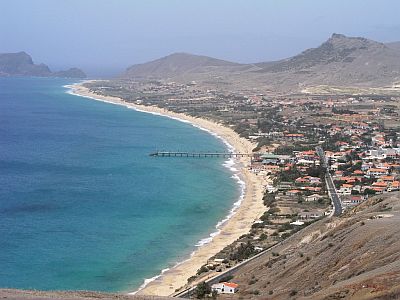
x=313 y=197
x=225 y=287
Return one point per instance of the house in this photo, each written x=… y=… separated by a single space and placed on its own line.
x=394 y=186
x=315 y=180
x=271 y=169
x=293 y=192
x=313 y=197
x=225 y=287
x=385 y=166
x=315 y=189
x=377 y=172
x=302 y=180
x=308 y=162
x=380 y=184
x=392 y=152
x=345 y=189
x=294 y=136
x=386 y=178
x=297 y=223
x=305 y=215
x=378 y=190
x=335 y=156
x=358 y=173
x=353 y=200
x=309 y=155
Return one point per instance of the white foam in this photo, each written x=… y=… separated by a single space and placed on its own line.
x=149 y=280
x=230 y=164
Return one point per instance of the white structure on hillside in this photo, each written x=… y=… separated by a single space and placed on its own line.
x=225 y=287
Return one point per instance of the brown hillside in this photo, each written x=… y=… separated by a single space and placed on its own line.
x=356 y=256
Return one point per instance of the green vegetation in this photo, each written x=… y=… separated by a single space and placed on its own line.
x=203 y=269
x=244 y=251
x=202 y=290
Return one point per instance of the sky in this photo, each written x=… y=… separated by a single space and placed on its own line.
x=104 y=37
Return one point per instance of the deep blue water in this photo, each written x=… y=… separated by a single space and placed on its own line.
x=83 y=206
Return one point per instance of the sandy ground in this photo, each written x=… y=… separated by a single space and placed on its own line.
x=240 y=223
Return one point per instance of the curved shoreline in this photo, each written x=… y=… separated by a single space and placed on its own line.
x=244 y=212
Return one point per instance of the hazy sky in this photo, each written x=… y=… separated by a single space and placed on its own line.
x=103 y=37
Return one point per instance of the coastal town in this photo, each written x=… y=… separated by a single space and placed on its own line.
x=303 y=144
x=224 y=150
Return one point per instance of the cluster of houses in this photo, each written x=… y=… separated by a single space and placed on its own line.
x=361 y=168
x=301 y=189
x=358 y=170
x=361 y=172
x=270 y=164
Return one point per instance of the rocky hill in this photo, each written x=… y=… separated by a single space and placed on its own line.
x=178 y=64
x=70 y=73
x=340 y=61
x=355 y=256
x=21 y=64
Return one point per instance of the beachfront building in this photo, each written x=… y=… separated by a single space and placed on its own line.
x=225 y=287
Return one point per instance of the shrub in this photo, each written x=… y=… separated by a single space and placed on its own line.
x=203 y=269
x=256 y=292
x=252 y=281
x=263 y=236
x=201 y=290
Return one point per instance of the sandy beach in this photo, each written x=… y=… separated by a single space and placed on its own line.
x=240 y=223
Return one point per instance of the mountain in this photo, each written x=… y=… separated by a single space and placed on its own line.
x=70 y=73
x=178 y=64
x=337 y=49
x=21 y=64
x=339 y=61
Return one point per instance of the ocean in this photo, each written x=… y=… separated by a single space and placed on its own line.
x=82 y=204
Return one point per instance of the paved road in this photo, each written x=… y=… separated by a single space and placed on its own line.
x=187 y=293
x=337 y=203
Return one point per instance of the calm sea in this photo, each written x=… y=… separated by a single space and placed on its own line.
x=83 y=206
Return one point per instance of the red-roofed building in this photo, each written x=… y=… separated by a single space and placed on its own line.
x=394 y=186
x=377 y=172
x=225 y=287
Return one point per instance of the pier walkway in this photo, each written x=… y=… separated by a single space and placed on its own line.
x=200 y=154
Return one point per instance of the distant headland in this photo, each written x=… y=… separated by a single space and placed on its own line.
x=21 y=64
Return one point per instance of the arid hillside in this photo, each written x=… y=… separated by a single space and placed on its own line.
x=355 y=256
x=339 y=61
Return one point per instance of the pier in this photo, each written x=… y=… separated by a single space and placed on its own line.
x=200 y=154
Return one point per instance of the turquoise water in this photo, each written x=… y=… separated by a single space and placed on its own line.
x=83 y=206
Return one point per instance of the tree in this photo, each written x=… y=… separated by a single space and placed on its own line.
x=369 y=192
x=202 y=289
